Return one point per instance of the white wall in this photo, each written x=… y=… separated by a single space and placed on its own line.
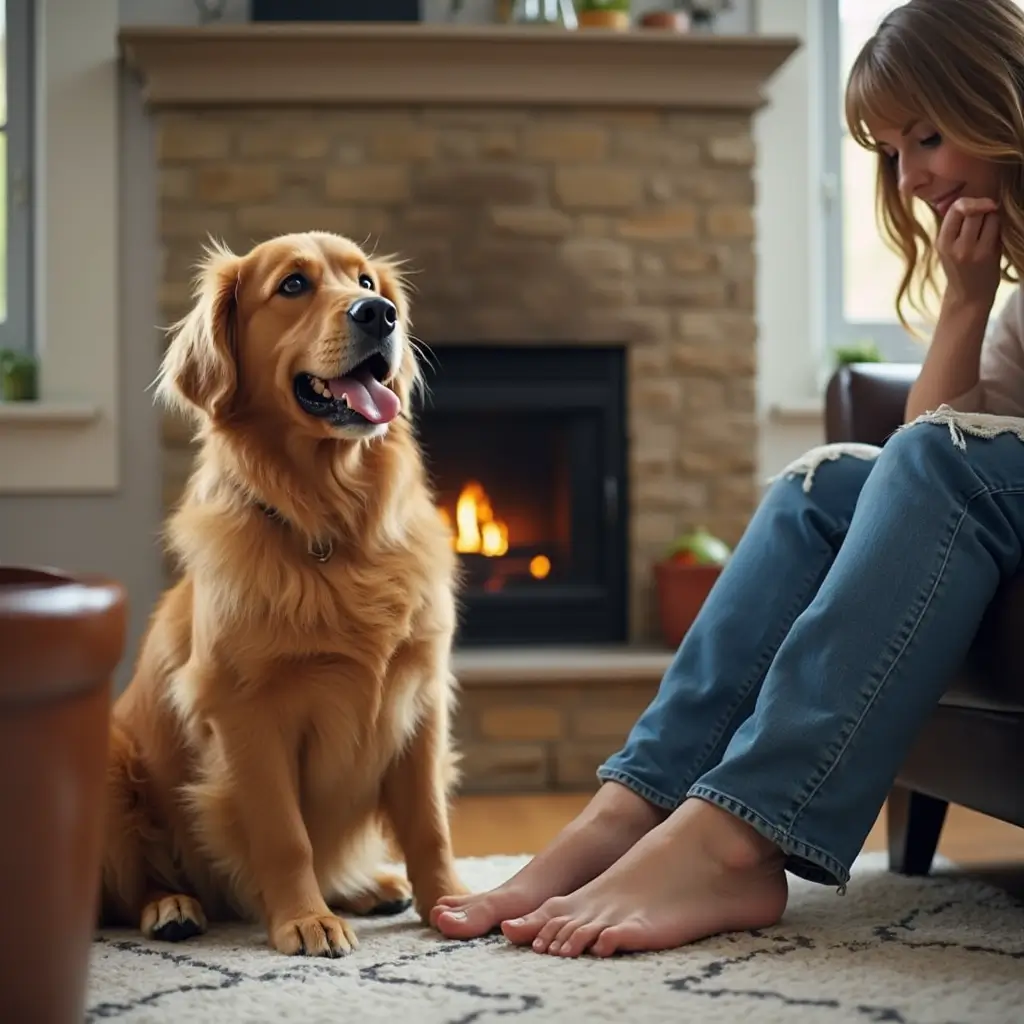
x=114 y=534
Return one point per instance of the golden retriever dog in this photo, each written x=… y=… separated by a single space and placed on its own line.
x=289 y=710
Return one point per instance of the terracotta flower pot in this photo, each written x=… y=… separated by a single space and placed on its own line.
x=616 y=20
x=674 y=21
x=61 y=639
x=682 y=590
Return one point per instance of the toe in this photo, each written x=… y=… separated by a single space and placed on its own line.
x=562 y=935
x=547 y=934
x=523 y=930
x=467 y=921
x=581 y=939
x=449 y=903
x=614 y=938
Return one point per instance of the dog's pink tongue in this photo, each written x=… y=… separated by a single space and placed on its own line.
x=376 y=401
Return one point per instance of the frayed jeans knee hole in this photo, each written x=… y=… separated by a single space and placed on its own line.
x=977 y=424
x=808 y=463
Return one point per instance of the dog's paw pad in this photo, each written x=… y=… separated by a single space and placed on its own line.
x=390 y=908
x=173 y=919
x=177 y=931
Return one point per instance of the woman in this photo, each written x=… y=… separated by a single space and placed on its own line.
x=860 y=583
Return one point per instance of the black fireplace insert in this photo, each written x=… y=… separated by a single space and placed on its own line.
x=526 y=449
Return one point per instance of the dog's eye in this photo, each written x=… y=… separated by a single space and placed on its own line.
x=365 y=281
x=294 y=284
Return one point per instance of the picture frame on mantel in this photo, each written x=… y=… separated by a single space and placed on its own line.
x=335 y=10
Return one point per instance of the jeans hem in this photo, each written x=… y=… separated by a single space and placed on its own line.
x=652 y=796
x=802 y=859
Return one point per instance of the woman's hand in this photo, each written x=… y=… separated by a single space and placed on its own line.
x=969 y=249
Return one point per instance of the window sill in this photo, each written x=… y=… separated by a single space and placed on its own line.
x=53 y=447
x=810 y=410
x=56 y=414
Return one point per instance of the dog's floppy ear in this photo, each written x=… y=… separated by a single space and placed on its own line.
x=199 y=369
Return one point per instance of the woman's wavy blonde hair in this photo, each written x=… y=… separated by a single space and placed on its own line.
x=958 y=64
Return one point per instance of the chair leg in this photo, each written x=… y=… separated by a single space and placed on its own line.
x=914 y=822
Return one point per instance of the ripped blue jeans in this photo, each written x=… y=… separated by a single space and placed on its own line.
x=841 y=618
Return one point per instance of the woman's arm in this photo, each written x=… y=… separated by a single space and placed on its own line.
x=952 y=366
x=969 y=250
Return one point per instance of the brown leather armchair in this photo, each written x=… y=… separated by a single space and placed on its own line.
x=971 y=751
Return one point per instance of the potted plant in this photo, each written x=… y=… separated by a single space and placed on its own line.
x=18 y=377
x=684 y=578
x=864 y=351
x=612 y=14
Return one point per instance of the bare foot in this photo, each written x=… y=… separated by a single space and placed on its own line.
x=611 y=823
x=700 y=873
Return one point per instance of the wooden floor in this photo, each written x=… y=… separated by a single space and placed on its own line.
x=484 y=825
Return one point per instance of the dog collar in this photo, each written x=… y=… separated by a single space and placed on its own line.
x=321 y=550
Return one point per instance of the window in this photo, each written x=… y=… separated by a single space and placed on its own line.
x=16 y=49
x=64 y=55
x=862 y=274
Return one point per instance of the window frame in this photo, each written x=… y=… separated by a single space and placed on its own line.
x=68 y=441
x=16 y=331
x=894 y=342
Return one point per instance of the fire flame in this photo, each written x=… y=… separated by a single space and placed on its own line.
x=477 y=531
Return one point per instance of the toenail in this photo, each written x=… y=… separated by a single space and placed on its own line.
x=516 y=921
x=455 y=915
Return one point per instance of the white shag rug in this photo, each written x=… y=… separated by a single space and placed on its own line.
x=897 y=950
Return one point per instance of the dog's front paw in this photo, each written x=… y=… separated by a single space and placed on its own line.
x=172 y=918
x=314 y=935
x=389 y=895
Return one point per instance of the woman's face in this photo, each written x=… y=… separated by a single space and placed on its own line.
x=933 y=170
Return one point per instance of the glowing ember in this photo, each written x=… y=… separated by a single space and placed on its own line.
x=540 y=566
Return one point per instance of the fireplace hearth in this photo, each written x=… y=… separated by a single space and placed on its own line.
x=526 y=449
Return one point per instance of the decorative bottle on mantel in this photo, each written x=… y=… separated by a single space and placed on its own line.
x=559 y=13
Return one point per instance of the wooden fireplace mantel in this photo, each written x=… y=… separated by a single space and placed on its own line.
x=367 y=64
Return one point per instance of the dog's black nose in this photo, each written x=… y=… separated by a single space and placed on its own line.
x=374 y=316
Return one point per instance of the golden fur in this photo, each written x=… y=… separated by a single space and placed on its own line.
x=287 y=715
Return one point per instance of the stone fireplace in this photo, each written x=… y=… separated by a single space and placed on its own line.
x=571 y=203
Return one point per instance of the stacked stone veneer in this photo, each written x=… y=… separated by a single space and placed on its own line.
x=527 y=226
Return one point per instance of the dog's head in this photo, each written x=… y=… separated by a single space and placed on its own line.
x=305 y=333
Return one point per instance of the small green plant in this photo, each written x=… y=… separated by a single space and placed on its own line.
x=865 y=351
x=603 y=5
x=18 y=377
